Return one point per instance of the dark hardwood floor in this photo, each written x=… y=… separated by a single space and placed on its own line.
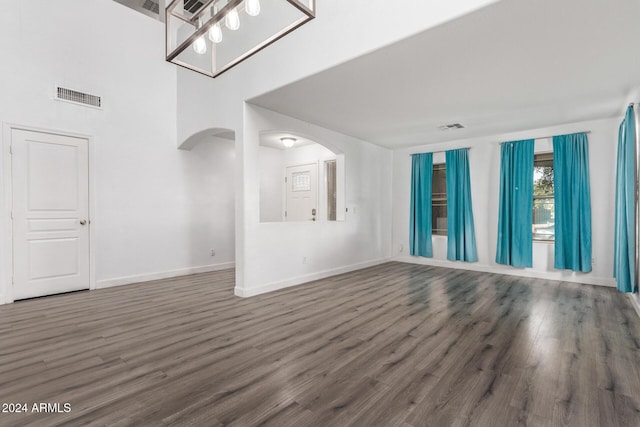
x=393 y=345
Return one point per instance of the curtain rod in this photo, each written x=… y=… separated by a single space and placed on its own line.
x=441 y=151
x=538 y=137
x=550 y=136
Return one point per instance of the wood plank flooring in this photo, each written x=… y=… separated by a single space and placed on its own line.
x=392 y=345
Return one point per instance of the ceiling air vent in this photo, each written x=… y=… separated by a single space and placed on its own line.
x=151 y=6
x=70 y=95
x=451 y=126
x=192 y=5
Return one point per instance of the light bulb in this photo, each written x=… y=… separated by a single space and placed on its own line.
x=215 y=33
x=252 y=7
x=232 y=20
x=288 y=142
x=200 y=46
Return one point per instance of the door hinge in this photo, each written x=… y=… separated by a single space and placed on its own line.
x=285 y=213
x=11 y=214
x=11 y=149
x=285 y=179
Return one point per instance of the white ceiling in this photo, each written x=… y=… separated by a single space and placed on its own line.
x=272 y=140
x=511 y=66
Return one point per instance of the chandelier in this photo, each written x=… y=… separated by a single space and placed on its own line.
x=211 y=36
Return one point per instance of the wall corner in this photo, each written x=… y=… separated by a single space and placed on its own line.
x=635 y=302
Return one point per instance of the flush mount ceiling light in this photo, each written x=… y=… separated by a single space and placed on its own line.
x=288 y=142
x=215 y=35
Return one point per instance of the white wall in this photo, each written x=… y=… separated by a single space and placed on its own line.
x=635 y=300
x=271 y=184
x=155 y=209
x=307 y=153
x=273 y=253
x=484 y=164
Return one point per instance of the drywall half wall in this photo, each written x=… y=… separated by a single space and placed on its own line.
x=280 y=254
x=156 y=210
x=484 y=163
x=271 y=184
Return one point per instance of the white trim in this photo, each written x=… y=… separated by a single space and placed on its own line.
x=92 y=209
x=7 y=187
x=563 y=276
x=138 y=278
x=7 y=233
x=299 y=280
x=635 y=302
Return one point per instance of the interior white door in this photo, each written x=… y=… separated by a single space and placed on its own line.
x=302 y=192
x=50 y=211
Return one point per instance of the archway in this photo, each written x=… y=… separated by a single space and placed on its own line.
x=210 y=168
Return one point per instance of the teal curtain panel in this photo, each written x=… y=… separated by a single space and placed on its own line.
x=461 y=240
x=515 y=212
x=624 y=231
x=572 y=199
x=420 y=220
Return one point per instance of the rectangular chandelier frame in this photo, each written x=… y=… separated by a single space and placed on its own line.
x=308 y=13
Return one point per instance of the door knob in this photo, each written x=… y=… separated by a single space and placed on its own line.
x=83 y=222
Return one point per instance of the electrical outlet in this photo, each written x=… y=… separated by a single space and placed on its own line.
x=213 y=252
x=593 y=261
x=304 y=259
x=401 y=247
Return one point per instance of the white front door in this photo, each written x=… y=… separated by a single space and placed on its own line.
x=302 y=192
x=50 y=213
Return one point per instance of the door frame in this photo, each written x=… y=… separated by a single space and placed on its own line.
x=6 y=291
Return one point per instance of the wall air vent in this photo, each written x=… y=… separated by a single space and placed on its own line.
x=151 y=6
x=451 y=126
x=70 y=95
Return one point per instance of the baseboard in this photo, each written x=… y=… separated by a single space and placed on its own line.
x=635 y=302
x=127 y=280
x=568 y=276
x=274 y=286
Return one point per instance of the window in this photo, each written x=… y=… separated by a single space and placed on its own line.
x=301 y=181
x=543 y=205
x=439 y=200
x=330 y=174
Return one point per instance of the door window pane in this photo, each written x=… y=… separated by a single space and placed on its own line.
x=300 y=181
